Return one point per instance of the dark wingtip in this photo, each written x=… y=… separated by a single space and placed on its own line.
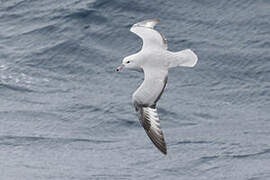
x=162 y=148
x=164 y=152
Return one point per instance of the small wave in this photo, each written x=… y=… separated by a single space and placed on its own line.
x=191 y=142
x=88 y=15
x=21 y=140
x=62 y=57
x=15 y=88
x=13 y=6
x=208 y=158
x=126 y=123
x=240 y=156
x=82 y=107
x=204 y=115
x=44 y=30
x=123 y=6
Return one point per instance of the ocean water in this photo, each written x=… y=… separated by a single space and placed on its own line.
x=65 y=113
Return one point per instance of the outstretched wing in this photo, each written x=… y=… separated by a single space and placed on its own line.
x=151 y=38
x=145 y=99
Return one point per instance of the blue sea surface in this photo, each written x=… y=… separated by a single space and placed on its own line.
x=65 y=113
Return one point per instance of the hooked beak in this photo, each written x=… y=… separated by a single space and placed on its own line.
x=120 y=67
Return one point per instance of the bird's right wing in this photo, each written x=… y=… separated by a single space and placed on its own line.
x=145 y=99
x=151 y=38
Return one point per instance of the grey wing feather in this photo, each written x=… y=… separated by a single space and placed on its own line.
x=151 y=38
x=150 y=121
x=150 y=23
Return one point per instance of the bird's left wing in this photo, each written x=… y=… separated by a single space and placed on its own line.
x=149 y=119
x=151 y=38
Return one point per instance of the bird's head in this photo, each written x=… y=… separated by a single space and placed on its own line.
x=130 y=62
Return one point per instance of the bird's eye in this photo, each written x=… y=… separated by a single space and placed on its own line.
x=128 y=62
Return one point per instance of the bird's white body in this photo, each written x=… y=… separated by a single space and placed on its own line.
x=154 y=60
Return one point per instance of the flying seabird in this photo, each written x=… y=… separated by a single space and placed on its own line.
x=154 y=60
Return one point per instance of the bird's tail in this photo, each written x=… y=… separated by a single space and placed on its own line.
x=185 y=58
